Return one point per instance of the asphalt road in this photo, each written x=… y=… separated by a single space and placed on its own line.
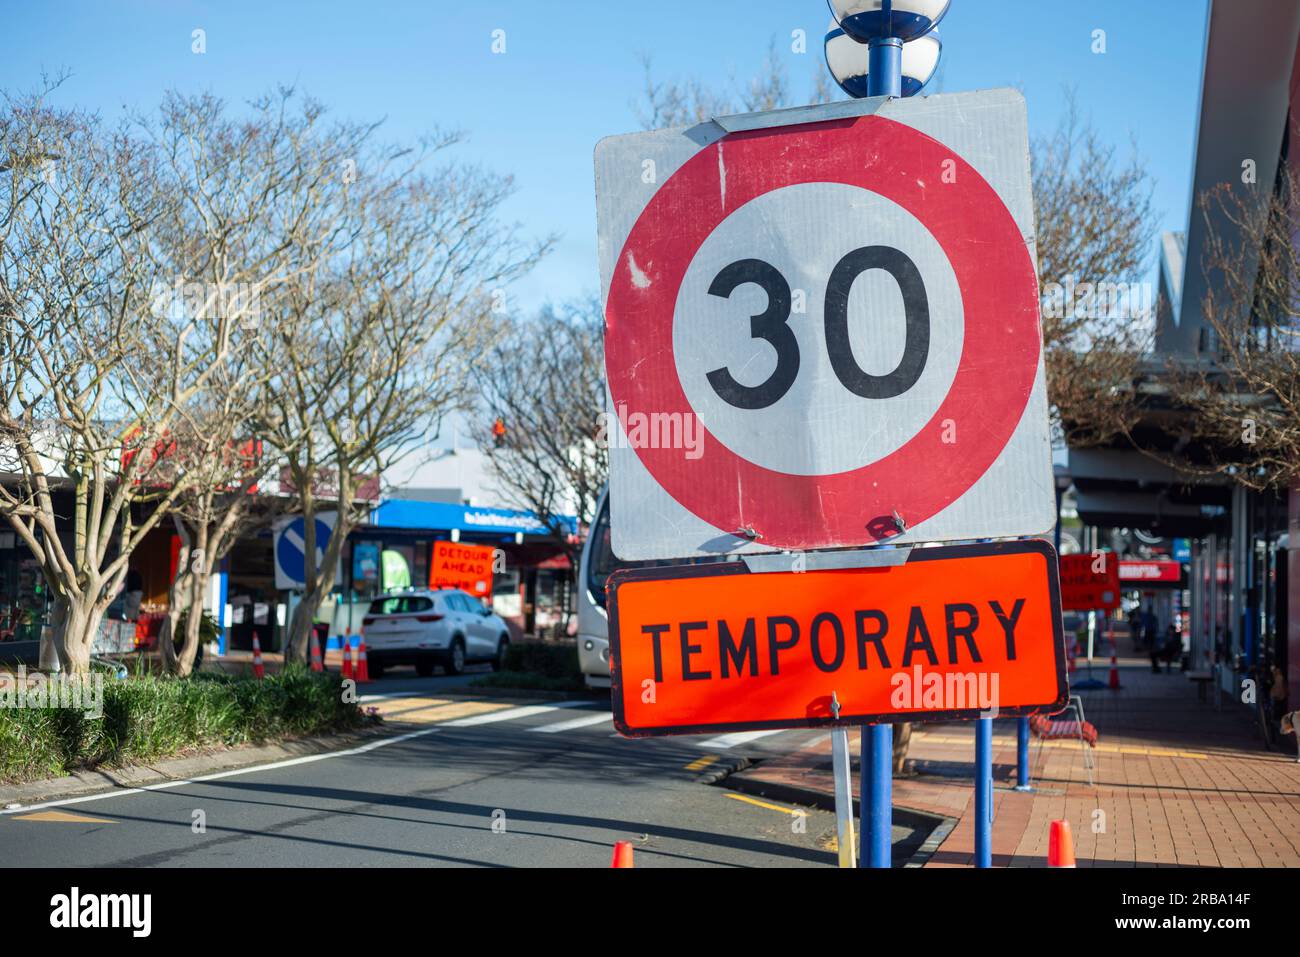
x=475 y=783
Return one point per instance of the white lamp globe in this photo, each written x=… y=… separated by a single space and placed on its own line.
x=866 y=20
x=849 y=61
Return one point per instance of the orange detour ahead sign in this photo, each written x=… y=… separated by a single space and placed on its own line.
x=467 y=567
x=951 y=633
x=1090 y=582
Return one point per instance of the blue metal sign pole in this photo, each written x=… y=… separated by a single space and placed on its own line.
x=984 y=792
x=884 y=78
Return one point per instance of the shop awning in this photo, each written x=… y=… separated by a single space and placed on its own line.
x=445 y=516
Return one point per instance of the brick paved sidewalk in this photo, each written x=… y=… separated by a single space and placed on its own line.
x=1177 y=783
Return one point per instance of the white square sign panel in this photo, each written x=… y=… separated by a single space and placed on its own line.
x=822 y=329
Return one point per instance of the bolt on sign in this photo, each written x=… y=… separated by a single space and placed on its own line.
x=1090 y=582
x=467 y=567
x=822 y=329
x=953 y=632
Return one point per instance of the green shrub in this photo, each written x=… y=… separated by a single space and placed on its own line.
x=147 y=717
x=549 y=659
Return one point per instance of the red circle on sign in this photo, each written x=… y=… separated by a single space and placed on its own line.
x=995 y=374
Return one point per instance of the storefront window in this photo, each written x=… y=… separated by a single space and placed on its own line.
x=22 y=594
x=396 y=565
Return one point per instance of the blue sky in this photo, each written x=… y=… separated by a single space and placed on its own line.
x=571 y=74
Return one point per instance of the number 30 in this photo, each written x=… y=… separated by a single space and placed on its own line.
x=771 y=325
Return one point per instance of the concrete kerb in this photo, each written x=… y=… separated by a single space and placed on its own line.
x=91 y=781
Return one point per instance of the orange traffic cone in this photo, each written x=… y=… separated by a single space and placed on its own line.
x=622 y=854
x=316 y=663
x=258 y=671
x=347 y=658
x=1060 y=845
x=363 y=669
x=1114 y=674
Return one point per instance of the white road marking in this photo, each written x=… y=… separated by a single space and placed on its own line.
x=509 y=715
x=275 y=765
x=731 y=740
x=489 y=718
x=587 y=719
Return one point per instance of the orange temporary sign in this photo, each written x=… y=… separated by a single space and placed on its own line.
x=468 y=567
x=951 y=633
x=1090 y=582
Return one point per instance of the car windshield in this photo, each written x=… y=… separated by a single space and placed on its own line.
x=400 y=605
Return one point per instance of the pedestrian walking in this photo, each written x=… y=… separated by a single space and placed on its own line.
x=1151 y=637
x=1173 y=647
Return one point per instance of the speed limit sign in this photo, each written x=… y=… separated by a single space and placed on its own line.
x=822 y=329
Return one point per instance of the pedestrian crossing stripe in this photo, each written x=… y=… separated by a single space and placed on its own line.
x=511 y=714
x=584 y=721
x=389 y=707
x=434 y=712
x=417 y=709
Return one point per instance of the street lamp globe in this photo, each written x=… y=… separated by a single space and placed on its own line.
x=867 y=20
x=850 y=62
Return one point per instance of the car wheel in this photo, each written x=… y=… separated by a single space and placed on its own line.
x=503 y=646
x=455 y=657
x=424 y=667
x=376 y=668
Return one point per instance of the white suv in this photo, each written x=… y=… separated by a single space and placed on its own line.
x=424 y=628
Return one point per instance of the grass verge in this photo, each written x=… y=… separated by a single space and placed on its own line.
x=147 y=717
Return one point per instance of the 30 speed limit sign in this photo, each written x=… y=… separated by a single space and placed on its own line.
x=822 y=329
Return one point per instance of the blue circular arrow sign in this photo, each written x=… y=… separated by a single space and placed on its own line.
x=289 y=551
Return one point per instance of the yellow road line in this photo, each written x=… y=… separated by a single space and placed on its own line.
x=757 y=803
x=699 y=764
x=63 y=817
x=398 y=705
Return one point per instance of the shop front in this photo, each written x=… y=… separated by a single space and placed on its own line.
x=506 y=558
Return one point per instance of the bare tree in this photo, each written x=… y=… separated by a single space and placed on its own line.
x=224 y=466
x=1095 y=229
x=545 y=382
x=1244 y=394
x=92 y=379
x=225 y=250
x=402 y=267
